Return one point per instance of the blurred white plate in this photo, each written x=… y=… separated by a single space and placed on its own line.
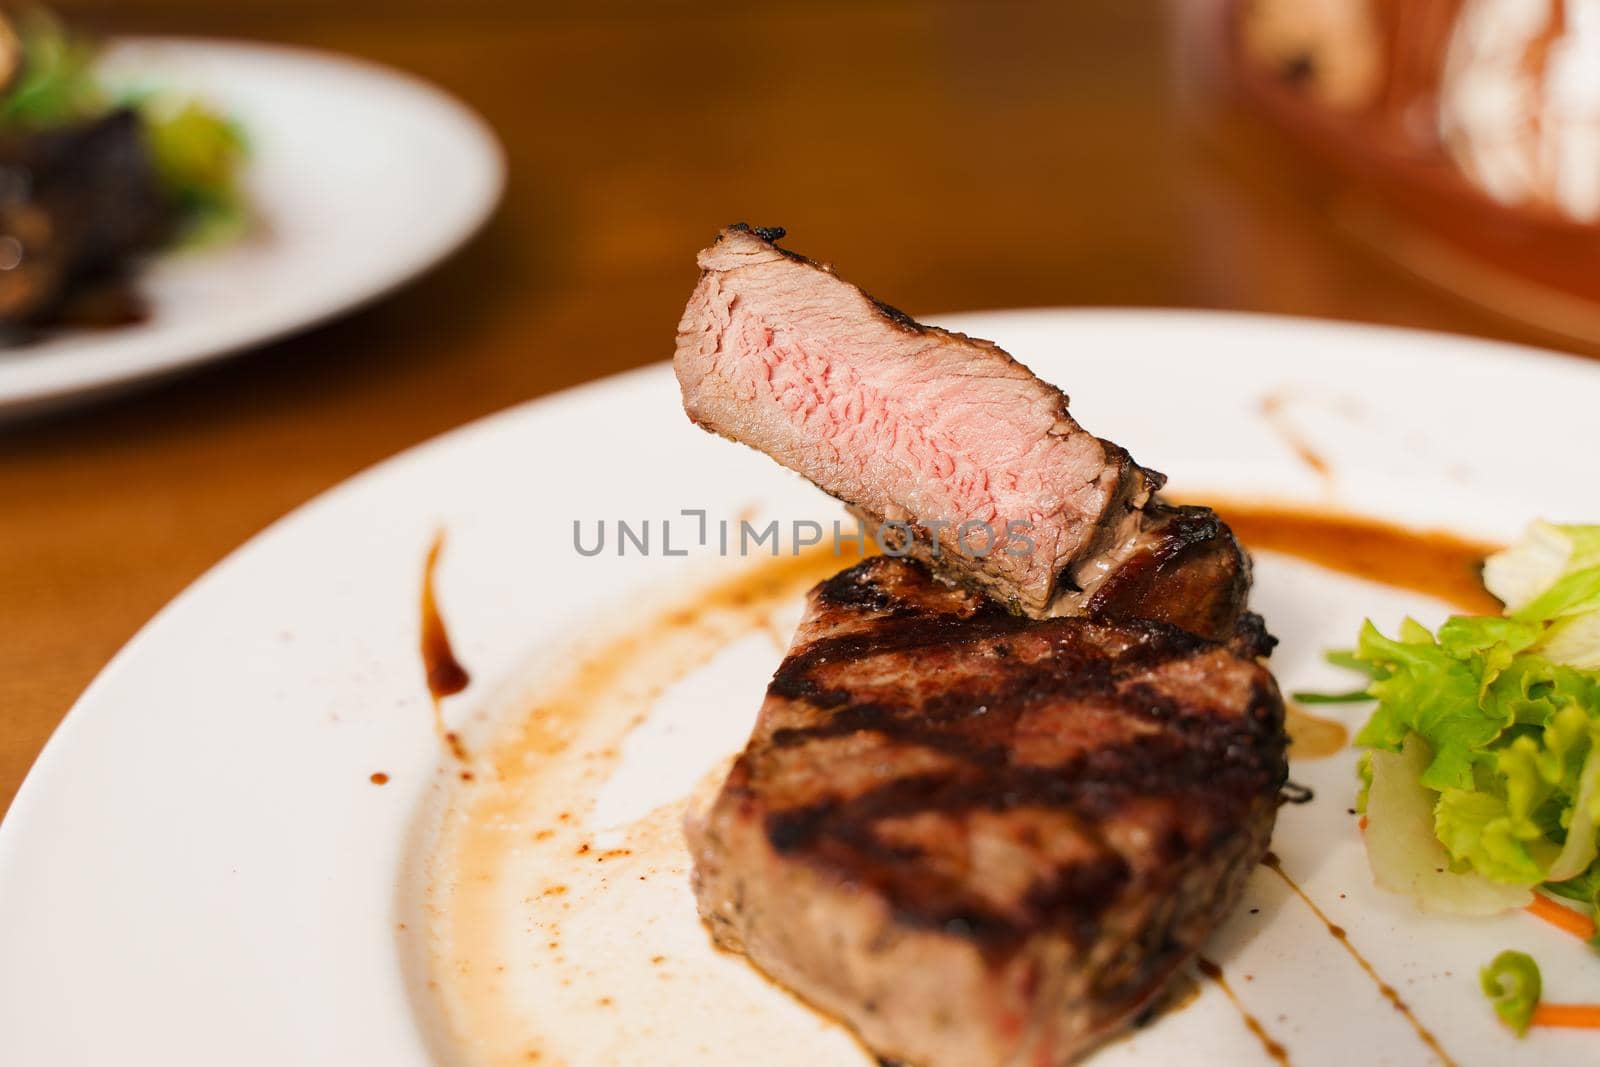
x=361 y=177
x=200 y=871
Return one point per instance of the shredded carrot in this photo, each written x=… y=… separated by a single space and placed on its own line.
x=1574 y=1016
x=1363 y=824
x=1573 y=922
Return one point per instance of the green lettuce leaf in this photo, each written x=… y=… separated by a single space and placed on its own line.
x=1432 y=691
x=1580 y=819
x=1479 y=829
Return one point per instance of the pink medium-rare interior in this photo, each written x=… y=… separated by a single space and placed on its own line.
x=911 y=424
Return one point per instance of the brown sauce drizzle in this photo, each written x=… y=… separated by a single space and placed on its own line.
x=1433 y=562
x=1273 y=407
x=446 y=676
x=1312 y=736
x=1269 y=1045
x=1270 y=860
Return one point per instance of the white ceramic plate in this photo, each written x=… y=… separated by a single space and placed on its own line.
x=361 y=178
x=199 y=869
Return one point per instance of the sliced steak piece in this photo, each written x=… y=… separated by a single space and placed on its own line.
x=910 y=424
x=980 y=839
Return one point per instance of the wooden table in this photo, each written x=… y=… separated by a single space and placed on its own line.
x=949 y=155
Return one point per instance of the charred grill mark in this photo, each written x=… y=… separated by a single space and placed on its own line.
x=875 y=585
x=967 y=721
x=1262 y=719
x=1206 y=780
x=1081 y=891
x=891 y=635
x=799 y=685
x=1070 y=897
x=975 y=719
x=1068 y=667
x=896 y=724
x=854 y=589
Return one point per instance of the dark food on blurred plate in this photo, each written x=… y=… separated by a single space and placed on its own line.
x=90 y=180
x=976 y=833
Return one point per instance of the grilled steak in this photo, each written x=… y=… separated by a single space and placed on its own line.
x=981 y=839
x=916 y=425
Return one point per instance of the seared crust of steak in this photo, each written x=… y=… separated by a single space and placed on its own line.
x=1185 y=568
x=980 y=839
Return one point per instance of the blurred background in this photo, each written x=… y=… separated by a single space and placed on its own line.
x=947 y=155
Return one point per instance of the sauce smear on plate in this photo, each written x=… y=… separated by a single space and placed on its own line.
x=1269 y=1045
x=1434 y=562
x=1312 y=736
x=1338 y=933
x=446 y=675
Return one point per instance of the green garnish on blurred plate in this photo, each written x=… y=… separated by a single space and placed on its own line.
x=198 y=153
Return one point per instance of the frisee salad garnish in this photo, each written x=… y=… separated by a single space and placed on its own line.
x=1483 y=769
x=1511 y=982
